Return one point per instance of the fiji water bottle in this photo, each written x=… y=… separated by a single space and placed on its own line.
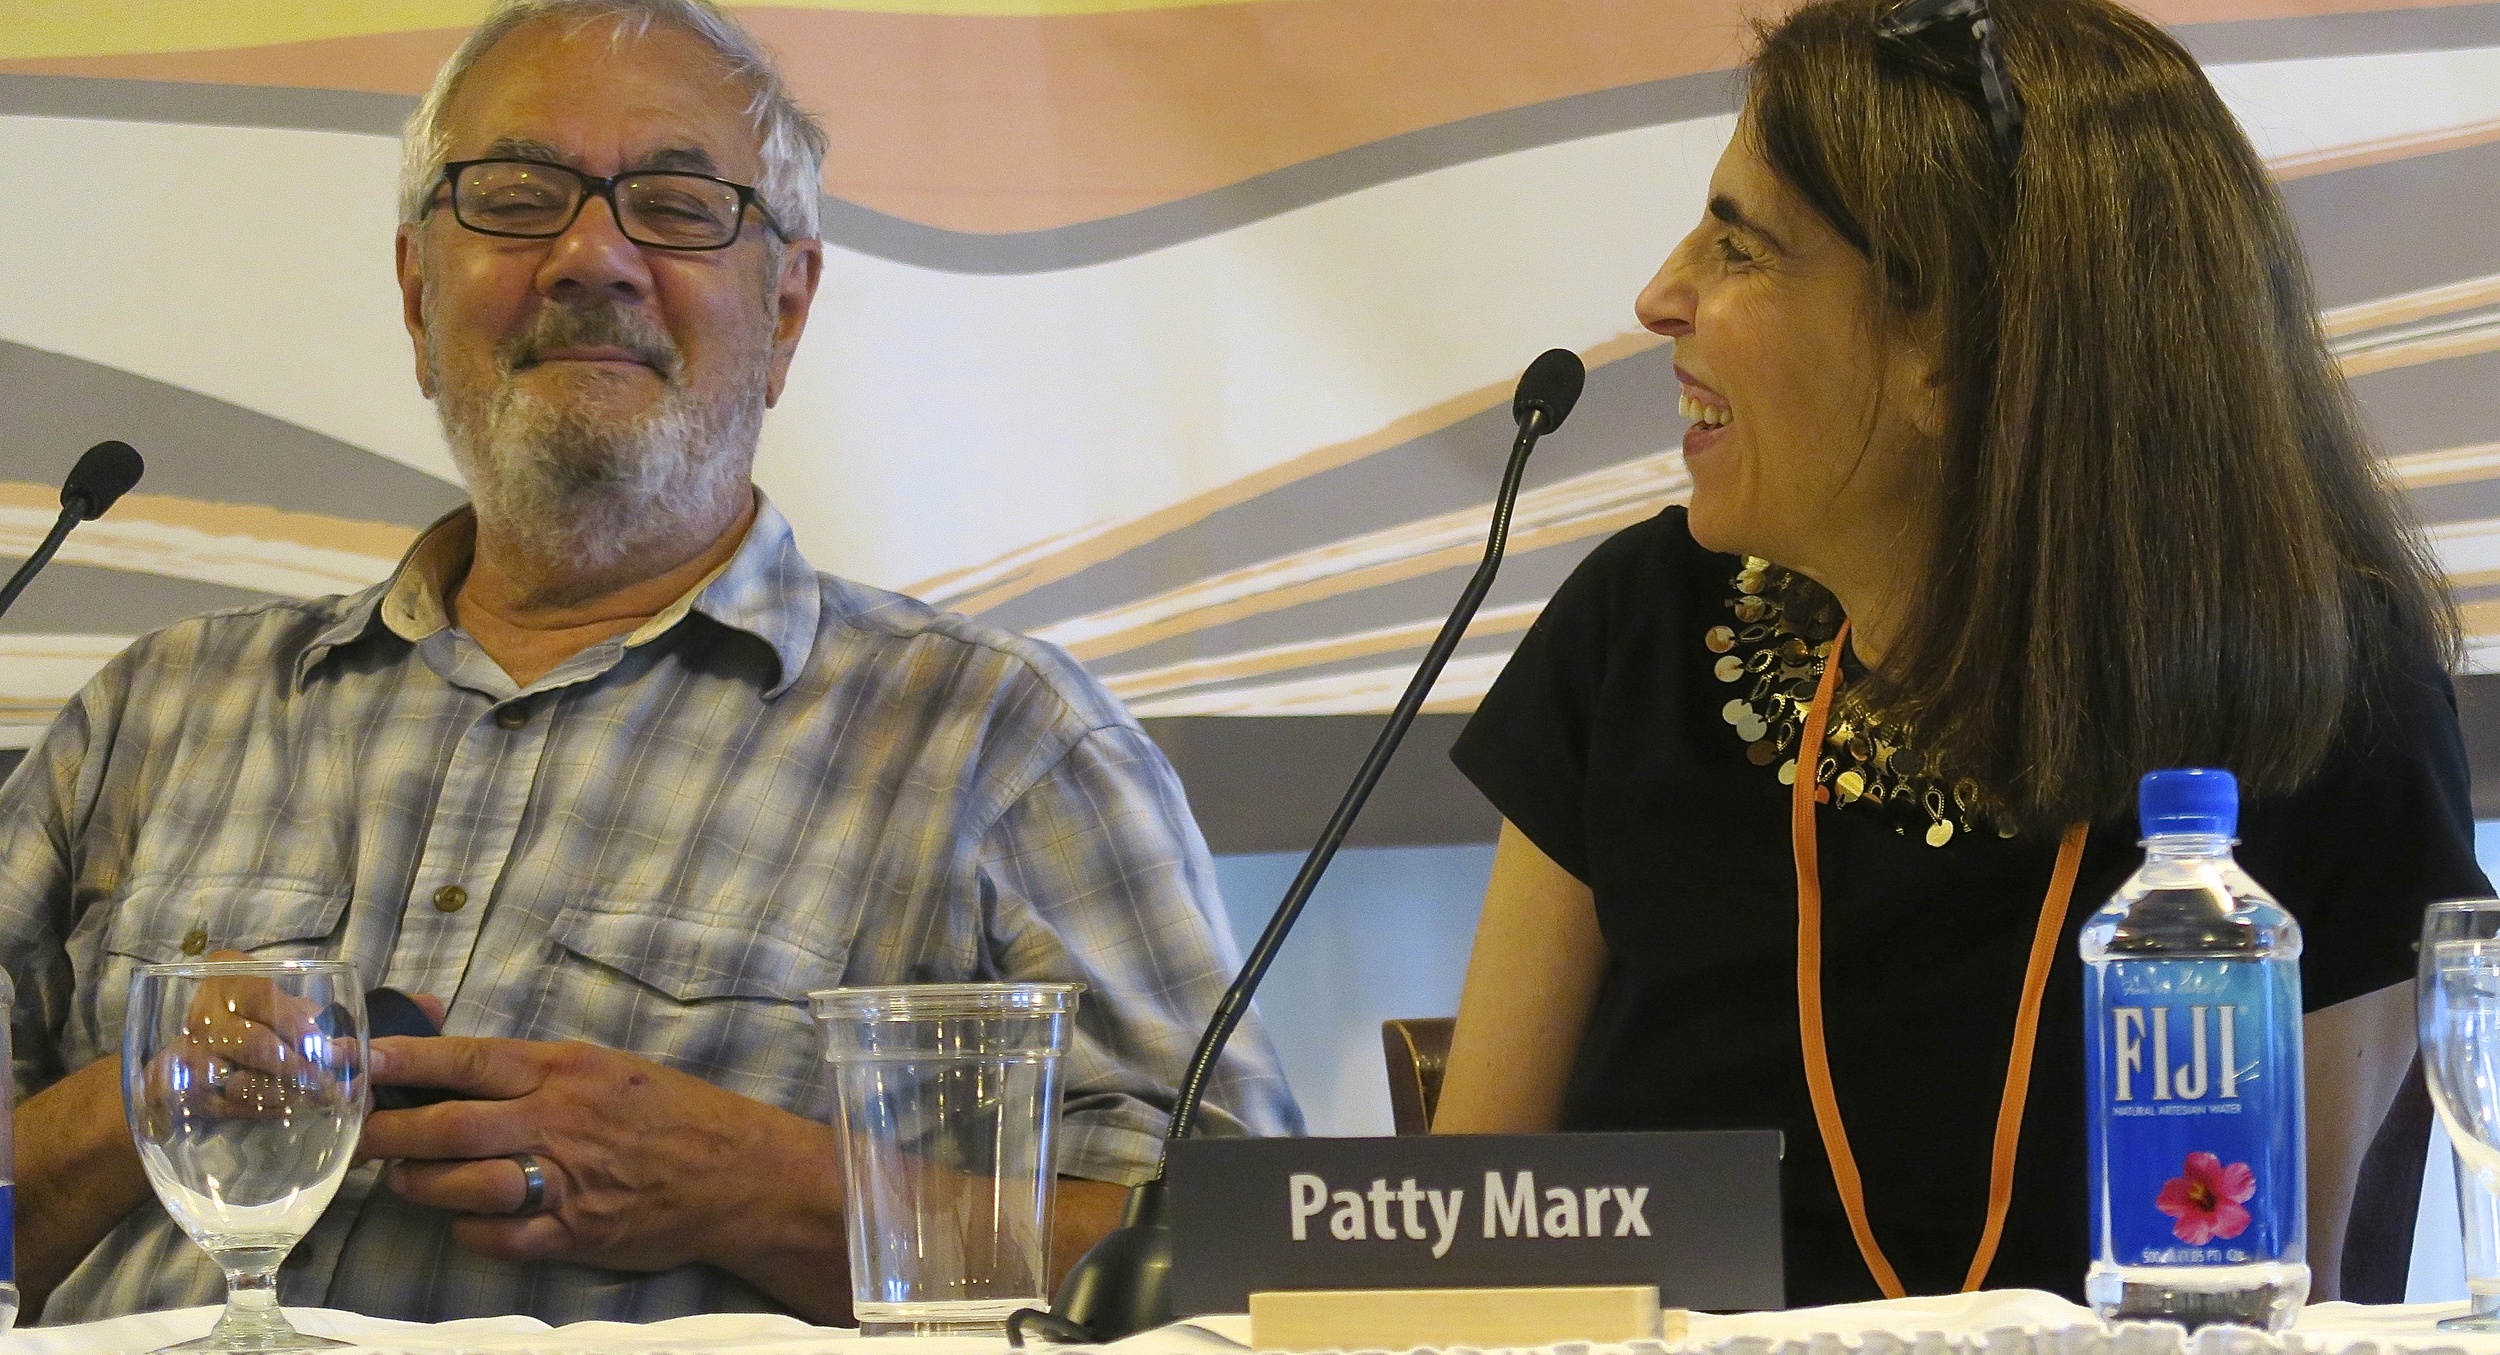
x=2191 y=1006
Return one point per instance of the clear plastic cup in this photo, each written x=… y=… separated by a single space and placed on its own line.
x=947 y=1108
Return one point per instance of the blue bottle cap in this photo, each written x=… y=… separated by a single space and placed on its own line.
x=2201 y=800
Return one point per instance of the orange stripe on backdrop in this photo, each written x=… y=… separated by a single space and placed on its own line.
x=383 y=63
x=2337 y=159
x=994 y=125
x=2229 y=11
x=998 y=125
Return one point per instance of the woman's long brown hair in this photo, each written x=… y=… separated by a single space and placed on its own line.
x=2161 y=537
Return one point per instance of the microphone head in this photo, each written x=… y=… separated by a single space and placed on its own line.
x=1551 y=386
x=104 y=474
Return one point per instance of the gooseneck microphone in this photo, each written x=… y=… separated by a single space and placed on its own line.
x=101 y=477
x=1123 y=1285
x=104 y=474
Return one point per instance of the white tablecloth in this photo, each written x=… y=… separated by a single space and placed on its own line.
x=2005 y=1322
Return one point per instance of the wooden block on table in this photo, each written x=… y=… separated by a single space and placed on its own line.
x=1402 y=1319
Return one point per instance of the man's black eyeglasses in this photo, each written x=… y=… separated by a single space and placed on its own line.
x=664 y=209
x=1996 y=89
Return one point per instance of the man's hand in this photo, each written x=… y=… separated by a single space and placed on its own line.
x=1085 y=1214
x=78 y=1176
x=247 y=1051
x=646 y=1168
x=78 y=1173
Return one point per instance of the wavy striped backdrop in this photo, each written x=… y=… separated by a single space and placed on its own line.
x=1176 y=331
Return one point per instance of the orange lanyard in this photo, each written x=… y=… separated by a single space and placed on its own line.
x=2044 y=939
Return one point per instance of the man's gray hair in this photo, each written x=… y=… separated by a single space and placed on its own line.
x=791 y=143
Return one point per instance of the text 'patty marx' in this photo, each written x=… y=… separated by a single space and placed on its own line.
x=1509 y=1209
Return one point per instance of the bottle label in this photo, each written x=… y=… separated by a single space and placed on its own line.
x=2195 y=1101
x=8 y=1234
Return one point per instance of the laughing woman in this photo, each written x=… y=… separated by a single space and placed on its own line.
x=2008 y=402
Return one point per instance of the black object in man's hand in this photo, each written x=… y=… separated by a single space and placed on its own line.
x=389 y=1011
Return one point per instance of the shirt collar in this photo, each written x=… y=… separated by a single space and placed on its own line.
x=767 y=589
x=418 y=601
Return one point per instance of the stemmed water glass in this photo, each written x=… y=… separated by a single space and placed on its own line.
x=2458 y=990
x=244 y=1082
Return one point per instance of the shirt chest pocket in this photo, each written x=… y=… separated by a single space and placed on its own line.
x=723 y=998
x=163 y=924
x=166 y=922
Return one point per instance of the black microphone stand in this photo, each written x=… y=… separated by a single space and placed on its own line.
x=1123 y=1285
x=43 y=555
x=103 y=475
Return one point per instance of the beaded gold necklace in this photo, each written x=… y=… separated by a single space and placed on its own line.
x=1773 y=655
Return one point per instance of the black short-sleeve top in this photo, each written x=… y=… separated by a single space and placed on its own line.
x=1610 y=741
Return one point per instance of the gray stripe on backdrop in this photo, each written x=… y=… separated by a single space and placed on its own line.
x=198 y=446
x=2465 y=501
x=1267 y=784
x=69 y=599
x=2400 y=226
x=2433 y=406
x=868 y=231
x=182 y=101
x=2434 y=29
x=1401 y=662
x=1279 y=191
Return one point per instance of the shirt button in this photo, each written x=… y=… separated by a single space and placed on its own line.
x=451 y=898
x=195 y=941
x=512 y=716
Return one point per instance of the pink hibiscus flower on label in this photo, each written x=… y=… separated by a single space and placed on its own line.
x=2208 y=1200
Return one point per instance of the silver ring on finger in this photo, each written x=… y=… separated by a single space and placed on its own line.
x=533 y=1185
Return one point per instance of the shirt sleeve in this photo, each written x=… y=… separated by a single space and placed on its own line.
x=1097 y=874
x=2384 y=829
x=1527 y=746
x=44 y=807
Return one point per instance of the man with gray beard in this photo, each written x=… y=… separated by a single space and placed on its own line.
x=545 y=471
x=605 y=771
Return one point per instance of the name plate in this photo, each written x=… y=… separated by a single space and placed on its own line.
x=1697 y=1214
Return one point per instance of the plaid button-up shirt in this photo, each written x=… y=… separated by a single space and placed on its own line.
x=784 y=782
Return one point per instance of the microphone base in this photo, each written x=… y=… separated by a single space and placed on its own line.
x=1124 y=1284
